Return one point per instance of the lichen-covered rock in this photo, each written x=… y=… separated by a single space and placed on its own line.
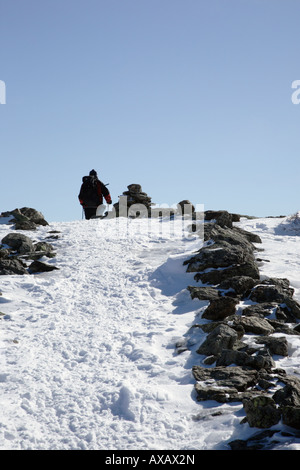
x=261 y=412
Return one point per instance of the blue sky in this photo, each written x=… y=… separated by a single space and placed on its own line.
x=189 y=98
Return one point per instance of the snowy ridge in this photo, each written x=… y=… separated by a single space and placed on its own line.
x=88 y=356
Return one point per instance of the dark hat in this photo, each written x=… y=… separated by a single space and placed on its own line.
x=93 y=173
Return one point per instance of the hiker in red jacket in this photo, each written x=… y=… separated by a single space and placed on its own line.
x=91 y=194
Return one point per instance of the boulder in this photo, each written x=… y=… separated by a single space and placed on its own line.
x=240 y=285
x=40 y=267
x=291 y=416
x=260 y=441
x=222 y=218
x=217 y=276
x=241 y=358
x=217 y=256
x=12 y=266
x=276 y=291
x=44 y=249
x=19 y=242
x=26 y=218
x=234 y=236
x=261 y=412
x=269 y=293
x=219 y=394
x=255 y=325
x=276 y=345
x=221 y=337
x=33 y=215
x=289 y=395
x=220 y=308
x=260 y=310
x=236 y=377
x=204 y=293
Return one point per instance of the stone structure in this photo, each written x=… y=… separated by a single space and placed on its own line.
x=135 y=202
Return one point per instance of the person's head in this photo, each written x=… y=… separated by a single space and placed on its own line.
x=93 y=173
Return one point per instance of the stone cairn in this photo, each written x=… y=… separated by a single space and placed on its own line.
x=234 y=302
x=134 y=197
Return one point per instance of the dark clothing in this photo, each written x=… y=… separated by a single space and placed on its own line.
x=91 y=195
x=90 y=212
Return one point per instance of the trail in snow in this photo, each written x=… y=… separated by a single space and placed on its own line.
x=88 y=352
x=87 y=358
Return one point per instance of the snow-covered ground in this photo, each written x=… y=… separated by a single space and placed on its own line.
x=87 y=353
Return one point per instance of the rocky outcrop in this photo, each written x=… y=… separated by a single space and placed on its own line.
x=25 y=218
x=238 y=303
x=19 y=254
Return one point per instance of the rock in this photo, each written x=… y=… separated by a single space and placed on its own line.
x=4 y=253
x=221 y=395
x=235 y=377
x=203 y=293
x=241 y=358
x=281 y=327
x=268 y=293
x=34 y=216
x=274 y=291
x=234 y=236
x=25 y=225
x=12 y=266
x=18 y=242
x=240 y=285
x=217 y=256
x=44 y=249
x=243 y=372
x=220 y=308
x=293 y=306
x=185 y=207
x=260 y=310
x=276 y=345
x=261 y=412
x=221 y=337
x=216 y=276
x=260 y=441
x=27 y=218
x=134 y=188
x=289 y=395
x=39 y=267
x=258 y=326
x=222 y=218
x=291 y=416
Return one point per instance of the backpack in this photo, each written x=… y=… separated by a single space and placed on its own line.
x=88 y=192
